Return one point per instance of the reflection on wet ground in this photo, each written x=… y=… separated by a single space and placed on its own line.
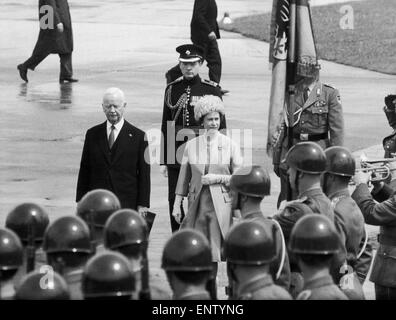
x=58 y=96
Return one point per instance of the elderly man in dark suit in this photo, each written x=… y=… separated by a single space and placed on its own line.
x=56 y=36
x=115 y=157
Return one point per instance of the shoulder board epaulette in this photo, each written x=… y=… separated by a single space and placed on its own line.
x=329 y=86
x=210 y=82
x=175 y=81
x=304 y=295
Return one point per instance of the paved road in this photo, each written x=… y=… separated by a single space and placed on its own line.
x=130 y=44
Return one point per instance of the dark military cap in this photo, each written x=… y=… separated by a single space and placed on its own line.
x=190 y=53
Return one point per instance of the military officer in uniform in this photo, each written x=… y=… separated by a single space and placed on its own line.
x=314 y=241
x=187 y=261
x=250 y=247
x=306 y=162
x=384 y=215
x=178 y=114
x=252 y=184
x=67 y=244
x=348 y=218
x=318 y=117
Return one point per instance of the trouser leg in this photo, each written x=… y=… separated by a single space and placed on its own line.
x=35 y=60
x=213 y=58
x=173 y=174
x=211 y=285
x=66 y=68
x=284 y=183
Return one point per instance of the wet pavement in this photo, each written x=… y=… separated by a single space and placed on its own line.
x=130 y=45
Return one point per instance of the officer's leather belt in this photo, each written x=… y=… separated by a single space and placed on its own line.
x=310 y=137
x=387 y=240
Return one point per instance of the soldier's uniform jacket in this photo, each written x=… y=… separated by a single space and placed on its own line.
x=262 y=288
x=314 y=199
x=268 y=223
x=309 y=202
x=319 y=119
x=322 y=288
x=199 y=295
x=349 y=223
x=180 y=95
x=384 y=215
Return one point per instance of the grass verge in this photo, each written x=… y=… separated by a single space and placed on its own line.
x=371 y=44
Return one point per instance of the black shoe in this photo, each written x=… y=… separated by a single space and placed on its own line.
x=67 y=80
x=23 y=72
x=224 y=92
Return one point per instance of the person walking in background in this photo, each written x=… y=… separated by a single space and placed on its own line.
x=56 y=37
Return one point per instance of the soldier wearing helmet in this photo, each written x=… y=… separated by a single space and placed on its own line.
x=67 y=244
x=306 y=162
x=47 y=285
x=11 y=259
x=108 y=275
x=314 y=241
x=252 y=184
x=250 y=248
x=29 y=221
x=95 y=208
x=126 y=232
x=348 y=219
x=187 y=261
x=379 y=214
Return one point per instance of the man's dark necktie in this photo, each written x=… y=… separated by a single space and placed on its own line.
x=111 y=136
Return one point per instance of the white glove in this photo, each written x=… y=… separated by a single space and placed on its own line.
x=164 y=171
x=211 y=178
x=142 y=211
x=361 y=177
x=60 y=27
x=176 y=213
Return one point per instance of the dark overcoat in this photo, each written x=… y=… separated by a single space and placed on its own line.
x=50 y=40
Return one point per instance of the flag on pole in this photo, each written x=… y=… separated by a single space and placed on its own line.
x=293 y=56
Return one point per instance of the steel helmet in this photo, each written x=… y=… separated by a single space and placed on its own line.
x=251 y=181
x=67 y=234
x=108 y=274
x=314 y=234
x=125 y=227
x=42 y=286
x=339 y=161
x=187 y=250
x=98 y=205
x=250 y=243
x=306 y=157
x=11 y=253
x=25 y=217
